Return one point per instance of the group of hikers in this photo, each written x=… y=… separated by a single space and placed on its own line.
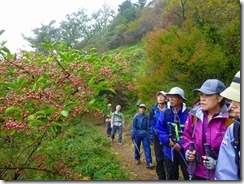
x=202 y=141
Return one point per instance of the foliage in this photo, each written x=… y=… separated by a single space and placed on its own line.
x=79 y=153
x=186 y=58
x=41 y=95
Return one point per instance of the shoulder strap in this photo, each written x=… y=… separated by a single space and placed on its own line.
x=167 y=113
x=228 y=122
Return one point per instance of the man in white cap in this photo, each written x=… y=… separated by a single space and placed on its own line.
x=228 y=164
x=158 y=147
x=170 y=127
x=140 y=134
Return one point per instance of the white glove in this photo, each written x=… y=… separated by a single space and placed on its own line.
x=210 y=163
x=187 y=155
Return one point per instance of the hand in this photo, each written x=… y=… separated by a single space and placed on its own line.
x=209 y=162
x=190 y=155
x=177 y=147
x=171 y=143
x=132 y=137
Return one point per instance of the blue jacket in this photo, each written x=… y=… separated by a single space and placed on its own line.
x=163 y=128
x=226 y=168
x=140 y=125
x=154 y=115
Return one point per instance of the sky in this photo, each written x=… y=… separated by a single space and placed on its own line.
x=22 y=16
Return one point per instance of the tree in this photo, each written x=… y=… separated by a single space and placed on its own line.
x=44 y=34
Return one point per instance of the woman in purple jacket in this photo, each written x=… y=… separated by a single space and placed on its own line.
x=205 y=124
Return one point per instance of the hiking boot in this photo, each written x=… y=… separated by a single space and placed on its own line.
x=108 y=135
x=150 y=165
x=120 y=143
x=112 y=140
x=137 y=161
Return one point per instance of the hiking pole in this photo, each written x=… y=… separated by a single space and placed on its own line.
x=207 y=153
x=136 y=146
x=191 y=163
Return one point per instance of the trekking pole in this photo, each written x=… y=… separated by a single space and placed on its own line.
x=136 y=146
x=191 y=163
x=207 y=153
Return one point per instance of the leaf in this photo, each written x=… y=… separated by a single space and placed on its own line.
x=12 y=109
x=36 y=122
x=40 y=113
x=70 y=105
x=5 y=49
x=9 y=84
x=64 y=113
x=30 y=117
x=92 y=101
x=2 y=31
x=53 y=130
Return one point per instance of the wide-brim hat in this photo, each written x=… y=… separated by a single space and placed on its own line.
x=233 y=91
x=143 y=105
x=177 y=91
x=211 y=86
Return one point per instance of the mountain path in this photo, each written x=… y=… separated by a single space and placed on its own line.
x=125 y=154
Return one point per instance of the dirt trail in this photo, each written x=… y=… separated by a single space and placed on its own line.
x=125 y=154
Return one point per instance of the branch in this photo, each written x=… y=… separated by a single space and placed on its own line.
x=20 y=67
x=38 y=144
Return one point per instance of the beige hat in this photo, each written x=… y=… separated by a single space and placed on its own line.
x=161 y=92
x=233 y=91
x=177 y=91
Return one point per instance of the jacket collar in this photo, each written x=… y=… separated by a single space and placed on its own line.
x=197 y=111
x=183 y=107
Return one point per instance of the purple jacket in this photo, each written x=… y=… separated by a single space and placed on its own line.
x=215 y=132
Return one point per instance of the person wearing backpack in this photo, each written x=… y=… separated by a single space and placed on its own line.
x=205 y=128
x=140 y=134
x=117 y=123
x=228 y=164
x=170 y=126
x=154 y=115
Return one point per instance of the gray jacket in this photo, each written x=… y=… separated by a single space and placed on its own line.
x=226 y=168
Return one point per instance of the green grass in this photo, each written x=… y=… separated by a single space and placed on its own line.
x=83 y=150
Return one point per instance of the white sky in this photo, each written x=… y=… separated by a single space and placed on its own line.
x=22 y=16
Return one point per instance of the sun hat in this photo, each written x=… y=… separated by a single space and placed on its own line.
x=211 y=86
x=161 y=92
x=233 y=91
x=142 y=105
x=177 y=91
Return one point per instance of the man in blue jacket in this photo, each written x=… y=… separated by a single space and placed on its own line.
x=154 y=115
x=170 y=127
x=140 y=133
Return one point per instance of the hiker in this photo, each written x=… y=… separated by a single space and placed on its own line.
x=140 y=133
x=108 y=120
x=158 y=147
x=228 y=164
x=117 y=123
x=206 y=125
x=108 y=125
x=169 y=127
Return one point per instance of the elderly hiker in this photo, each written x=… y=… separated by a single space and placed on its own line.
x=205 y=128
x=228 y=164
x=117 y=123
x=158 y=147
x=140 y=133
x=169 y=127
